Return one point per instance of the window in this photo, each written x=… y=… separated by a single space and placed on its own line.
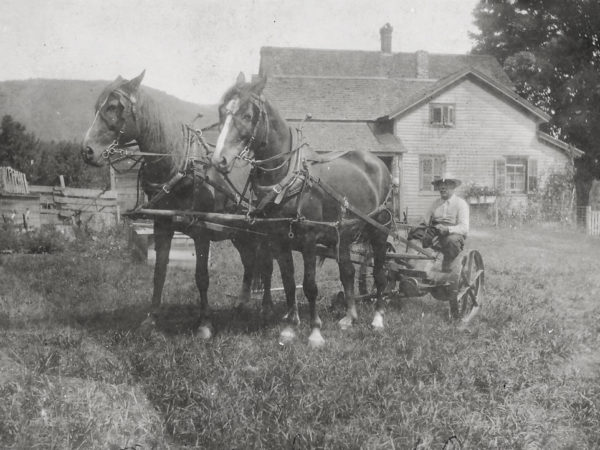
x=516 y=175
x=431 y=167
x=441 y=115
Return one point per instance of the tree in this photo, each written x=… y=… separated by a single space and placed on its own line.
x=551 y=51
x=43 y=162
x=18 y=148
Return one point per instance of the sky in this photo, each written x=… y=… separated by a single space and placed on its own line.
x=194 y=49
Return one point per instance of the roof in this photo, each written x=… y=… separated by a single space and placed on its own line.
x=337 y=136
x=282 y=61
x=571 y=150
x=339 y=98
x=438 y=87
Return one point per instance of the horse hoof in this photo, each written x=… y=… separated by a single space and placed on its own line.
x=292 y=318
x=345 y=323
x=287 y=336
x=147 y=326
x=204 y=332
x=377 y=323
x=315 y=340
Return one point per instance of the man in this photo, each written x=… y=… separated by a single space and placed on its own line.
x=446 y=223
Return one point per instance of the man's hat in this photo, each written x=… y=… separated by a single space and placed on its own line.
x=447 y=179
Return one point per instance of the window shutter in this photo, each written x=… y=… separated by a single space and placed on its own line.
x=532 y=175
x=500 y=175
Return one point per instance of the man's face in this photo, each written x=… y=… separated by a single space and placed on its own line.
x=446 y=190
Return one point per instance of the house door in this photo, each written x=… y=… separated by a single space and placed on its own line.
x=393 y=165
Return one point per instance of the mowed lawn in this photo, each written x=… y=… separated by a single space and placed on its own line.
x=74 y=373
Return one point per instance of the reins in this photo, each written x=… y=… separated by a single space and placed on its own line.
x=117 y=152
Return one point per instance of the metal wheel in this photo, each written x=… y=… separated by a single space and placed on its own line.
x=466 y=295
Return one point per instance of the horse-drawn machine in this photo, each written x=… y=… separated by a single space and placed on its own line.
x=267 y=191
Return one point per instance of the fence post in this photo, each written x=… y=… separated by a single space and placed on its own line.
x=588 y=219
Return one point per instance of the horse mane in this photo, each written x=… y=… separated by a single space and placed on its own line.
x=161 y=130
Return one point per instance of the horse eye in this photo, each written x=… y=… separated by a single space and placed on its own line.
x=247 y=117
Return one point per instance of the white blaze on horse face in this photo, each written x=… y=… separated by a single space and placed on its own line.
x=88 y=134
x=231 y=109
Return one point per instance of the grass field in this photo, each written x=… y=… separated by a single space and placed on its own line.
x=75 y=374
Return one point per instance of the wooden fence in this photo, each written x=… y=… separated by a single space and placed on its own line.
x=91 y=208
x=12 y=181
x=592 y=221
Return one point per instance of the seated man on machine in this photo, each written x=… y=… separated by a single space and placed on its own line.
x=446 y=223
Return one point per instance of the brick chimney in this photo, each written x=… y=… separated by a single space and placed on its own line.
x=422 y=64
x=386 y=38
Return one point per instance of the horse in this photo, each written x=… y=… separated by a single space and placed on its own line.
x=127 y=113
x=316 y=193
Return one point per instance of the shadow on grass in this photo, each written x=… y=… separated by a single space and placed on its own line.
x=182 y=319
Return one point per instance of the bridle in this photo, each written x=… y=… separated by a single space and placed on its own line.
x=248 y=152
x=116 y=147
x=117 y=150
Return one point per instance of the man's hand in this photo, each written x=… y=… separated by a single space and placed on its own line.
x=442 y=229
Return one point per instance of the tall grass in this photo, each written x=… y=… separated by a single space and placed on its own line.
x=524 y=375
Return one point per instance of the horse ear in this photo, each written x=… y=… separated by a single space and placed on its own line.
x=119 y=78
x=240 y=80
x=134 y=84
x=259 y=85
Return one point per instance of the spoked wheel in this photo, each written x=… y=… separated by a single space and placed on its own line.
x=466 y=300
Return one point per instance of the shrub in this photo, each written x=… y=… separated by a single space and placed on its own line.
x=45 y=240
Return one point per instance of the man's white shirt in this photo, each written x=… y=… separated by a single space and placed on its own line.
x=454 y=213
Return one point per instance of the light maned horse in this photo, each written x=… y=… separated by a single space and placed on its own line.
x=253 y=129
x=126 y=112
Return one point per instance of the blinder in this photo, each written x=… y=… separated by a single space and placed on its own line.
x=128 y=103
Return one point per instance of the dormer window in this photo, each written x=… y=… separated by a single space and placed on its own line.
x=442 y=115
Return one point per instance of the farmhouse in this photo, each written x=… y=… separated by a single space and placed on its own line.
x=424 y=114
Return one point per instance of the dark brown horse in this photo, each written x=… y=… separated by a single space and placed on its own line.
x=322 y=196
x=125 y=113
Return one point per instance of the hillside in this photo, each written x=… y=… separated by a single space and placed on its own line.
x=63 y=109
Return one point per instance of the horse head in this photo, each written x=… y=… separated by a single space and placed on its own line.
x=244 y=123
x=114 y=123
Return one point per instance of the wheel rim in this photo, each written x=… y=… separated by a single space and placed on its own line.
x=470 y=286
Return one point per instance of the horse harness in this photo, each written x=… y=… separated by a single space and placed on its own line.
x=188 y=169
x=296 y=180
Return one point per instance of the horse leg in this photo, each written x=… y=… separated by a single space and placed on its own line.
x=202 y=246
x=247 y=256
x=311 y=291
x=257 y=260
x=347 y=271
x=163 y=235
x=378 y=243
x=291 y=319
x=264 y=259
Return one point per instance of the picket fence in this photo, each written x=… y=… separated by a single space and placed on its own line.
x=592 y=219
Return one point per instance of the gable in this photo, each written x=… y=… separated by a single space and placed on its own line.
x=494 y=88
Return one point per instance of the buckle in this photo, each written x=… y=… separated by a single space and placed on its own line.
x=165 y=190
x=277 y=188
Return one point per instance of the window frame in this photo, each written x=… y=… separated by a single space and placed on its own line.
x=514 y=163
x=529 y=172
x=447 y=115
x=428 y=187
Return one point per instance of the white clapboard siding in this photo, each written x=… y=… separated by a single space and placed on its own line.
x=487 y=128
